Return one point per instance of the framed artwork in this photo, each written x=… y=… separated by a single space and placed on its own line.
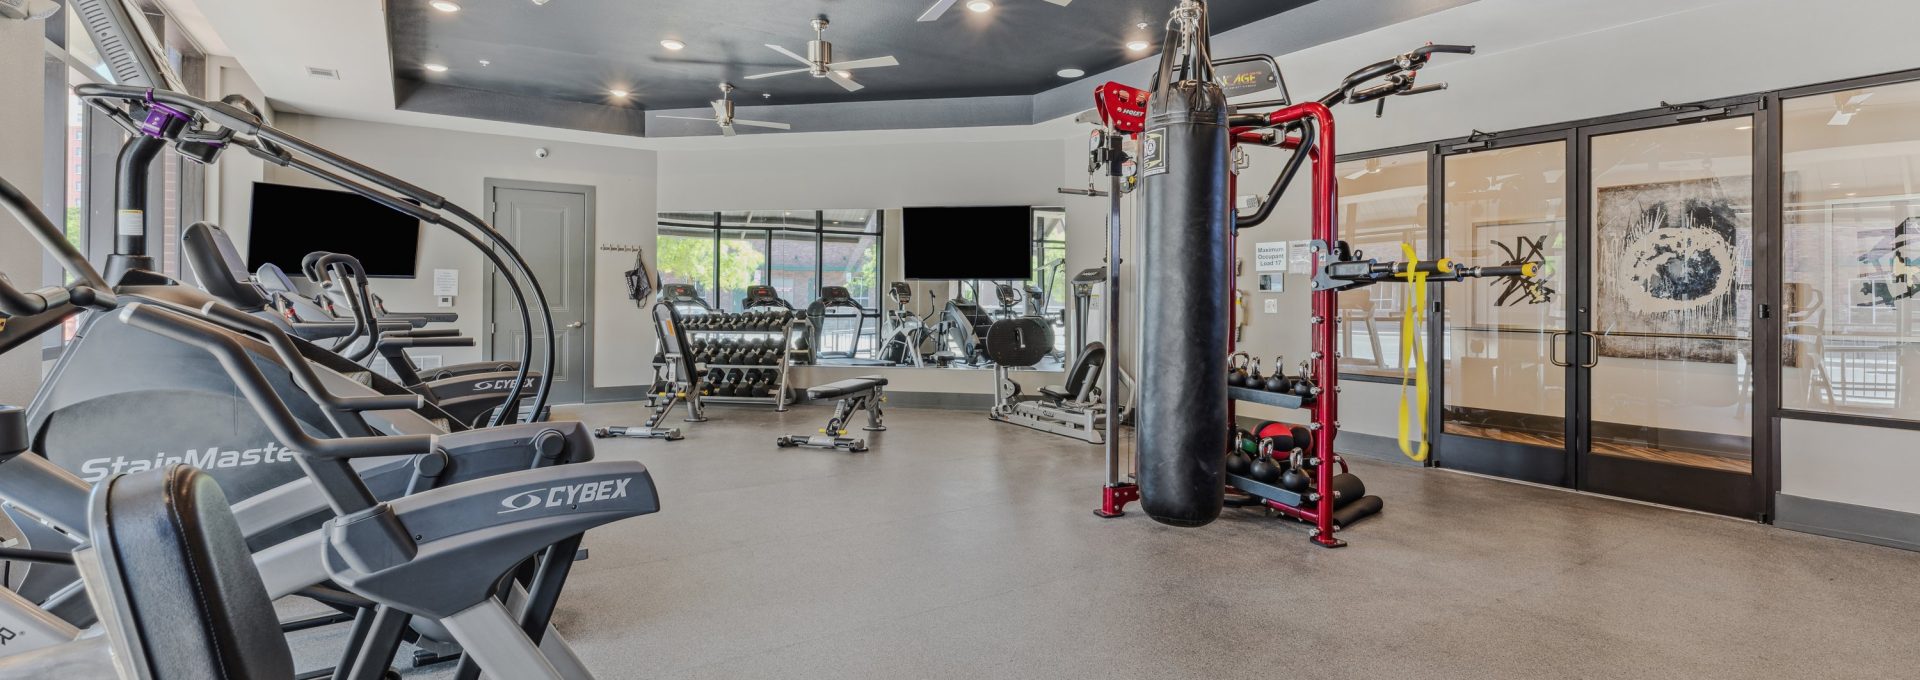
x=1671 y=271
x=1506 y=303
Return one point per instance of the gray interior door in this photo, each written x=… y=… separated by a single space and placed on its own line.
x=550 y=230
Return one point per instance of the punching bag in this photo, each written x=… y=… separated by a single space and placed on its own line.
x=1185 y=217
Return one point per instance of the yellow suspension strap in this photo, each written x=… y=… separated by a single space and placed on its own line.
x=1413 y=356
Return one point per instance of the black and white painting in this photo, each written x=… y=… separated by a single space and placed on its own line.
x=1671 y=264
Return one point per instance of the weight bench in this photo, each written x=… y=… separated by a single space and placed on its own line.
x=678 y=380
x=855 y=394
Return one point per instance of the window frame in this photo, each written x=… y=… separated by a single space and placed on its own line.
x=718 y=228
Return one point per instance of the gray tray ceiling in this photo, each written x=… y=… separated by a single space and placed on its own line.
x=575 y=50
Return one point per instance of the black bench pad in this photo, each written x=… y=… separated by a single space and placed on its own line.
x=841 y=388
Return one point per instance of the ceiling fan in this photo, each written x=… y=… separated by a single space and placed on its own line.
x=820 y=63
x=940 y=7
x=723 y=114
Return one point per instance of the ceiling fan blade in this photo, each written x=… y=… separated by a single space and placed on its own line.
x=726 y=130
x=790 y=53
x=778 y=73
x=762 y=123
x=844 y=81
x=864 y=63
x=719 y=109
x=685 y=118
x=939 y=7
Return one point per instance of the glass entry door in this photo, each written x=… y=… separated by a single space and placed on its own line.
x=1628 y=367
x=1504 y=370
x=1668 y=351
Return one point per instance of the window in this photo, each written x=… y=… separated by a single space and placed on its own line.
x=1383 y=203
x=1851 y=252
x=685 y=249
x=795 y=251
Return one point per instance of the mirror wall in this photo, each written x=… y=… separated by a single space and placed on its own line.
x=839 y=273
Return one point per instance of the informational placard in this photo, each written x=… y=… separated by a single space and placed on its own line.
x=1301 y=254
x=1270 y=256
x=446 y=282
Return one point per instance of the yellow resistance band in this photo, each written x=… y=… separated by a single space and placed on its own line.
x=1413 y=357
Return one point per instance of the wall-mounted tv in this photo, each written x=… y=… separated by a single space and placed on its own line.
x=288 y=222
x=974 y=242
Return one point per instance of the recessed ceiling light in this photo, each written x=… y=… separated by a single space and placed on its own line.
x=436 y=68
x=979 y=5
x=1070 y=73
x=672 y=44
x=1744 y=127
x=619 y=93
x=484 y=62
x=1834 y=185
x=1138 y=45
x=444 y=5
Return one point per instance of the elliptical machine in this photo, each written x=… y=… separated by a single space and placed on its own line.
x=907 y=332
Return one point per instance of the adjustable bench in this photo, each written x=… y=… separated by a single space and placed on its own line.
x=855 y=394
x=678 y=379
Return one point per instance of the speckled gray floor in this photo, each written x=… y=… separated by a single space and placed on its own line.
x=962 y=548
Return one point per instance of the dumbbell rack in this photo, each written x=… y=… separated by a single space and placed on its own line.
x=783 y=393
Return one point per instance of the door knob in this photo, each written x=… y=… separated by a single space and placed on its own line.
x=577 y=324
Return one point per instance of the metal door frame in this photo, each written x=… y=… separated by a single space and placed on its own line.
x=1747 y=496
x=590 y=391
x=1512 y=460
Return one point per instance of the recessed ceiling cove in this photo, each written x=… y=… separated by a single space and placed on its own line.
x=583 y=51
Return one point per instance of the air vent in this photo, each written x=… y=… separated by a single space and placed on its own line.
x=326 y=73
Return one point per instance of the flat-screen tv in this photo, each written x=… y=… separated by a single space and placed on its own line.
x=974 y=242
x=289 y=222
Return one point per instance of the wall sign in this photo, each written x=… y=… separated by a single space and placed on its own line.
x=446 y=282
x=1270 y=256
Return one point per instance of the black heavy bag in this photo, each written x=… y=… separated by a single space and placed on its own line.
x=1185 y=216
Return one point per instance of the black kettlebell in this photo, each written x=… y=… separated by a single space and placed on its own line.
x=1302 y=384
x=1254 y=379
x=1237 y=369
x=1239 y=463
x=1263 y=470
x=1278 y=381
x=1293 y=480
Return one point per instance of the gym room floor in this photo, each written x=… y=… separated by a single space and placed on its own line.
x=963 y=548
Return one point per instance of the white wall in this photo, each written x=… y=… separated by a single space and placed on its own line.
x=230 y=181
x=931 y=170
x=22 y=151
x=457 y=165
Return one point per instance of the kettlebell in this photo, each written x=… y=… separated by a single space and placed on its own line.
x=1254 y=379
x=1237 y=369
x=1293 y=480
x=1278 y=381
x=1302 y=384
x=1263 y=470
x=1239 y=463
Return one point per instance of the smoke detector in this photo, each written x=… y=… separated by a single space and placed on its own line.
x=28 y=10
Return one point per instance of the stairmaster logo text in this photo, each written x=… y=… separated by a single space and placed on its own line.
x=210 y=458
x=566 y=494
